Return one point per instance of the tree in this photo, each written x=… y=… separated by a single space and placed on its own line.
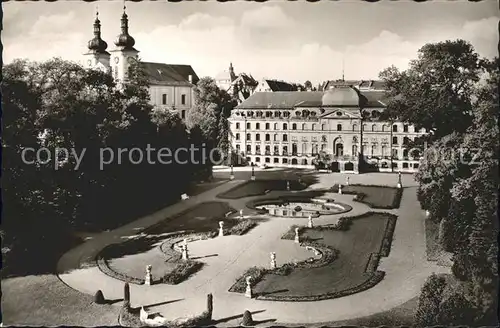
x=322 y=160
x=429 y=300
x=308 y=85
x=212 y=107
x=435 y=92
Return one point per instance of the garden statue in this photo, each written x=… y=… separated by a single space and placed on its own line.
x=253 y=174
x=185 y=254
x=297 y=240
x=288 y=185
x=347 y=181
x=248 y=291
x=149 y=278
x=221 y=228
x=273 y=260
x=340 y=189
x=241 y=214
x=310 y=222
x=231 y=177
x=400 y=185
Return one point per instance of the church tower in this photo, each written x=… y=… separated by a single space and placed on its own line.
x=125 y=53
x=97 y=57
x=231 y=72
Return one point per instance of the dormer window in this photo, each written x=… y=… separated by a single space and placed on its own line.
x=338 y=113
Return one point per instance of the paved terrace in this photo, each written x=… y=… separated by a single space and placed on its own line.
x=406 y=266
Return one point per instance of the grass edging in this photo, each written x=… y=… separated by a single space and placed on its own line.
x=360 y=196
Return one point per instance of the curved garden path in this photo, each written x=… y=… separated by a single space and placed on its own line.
x=406 y=266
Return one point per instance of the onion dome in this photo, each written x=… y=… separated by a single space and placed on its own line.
x=342 y=96
x=97 y=44
x=124 y=40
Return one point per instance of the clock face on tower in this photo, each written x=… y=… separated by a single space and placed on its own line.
x=117 y=60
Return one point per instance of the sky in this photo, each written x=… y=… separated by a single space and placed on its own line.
x=292 y=41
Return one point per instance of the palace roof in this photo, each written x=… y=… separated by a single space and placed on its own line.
x=167 y=74
x=336 y=97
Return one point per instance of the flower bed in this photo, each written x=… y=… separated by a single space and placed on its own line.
x=328 y=255
x=181 y=272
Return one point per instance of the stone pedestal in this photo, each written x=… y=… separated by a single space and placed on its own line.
x=310 y=222
x=221 y=228
x=248 y=291
x=297 y=240
x=252 y=178
x=241 y=214
x=273 y=260
x=148 y=279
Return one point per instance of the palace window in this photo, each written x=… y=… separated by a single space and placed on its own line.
x=303 y=126
x=285 y=137
x=285 y=126
x=249 y=149
x=183 y=99
x=257 y=137
x=294 y=126
x=355 y=127
x=238 y=148
x=249 y=126
x=183 y=114
x=313 y=127
x=374 y=127
x=394 y=128
x=237 y=136
x=257 y=126
x=238 y=126
x=249 y=137
x=268 y=137
x=339 y=127
x=405 y=128
x=395 y=140
x=164 y=99
x=323 y=127
x=268 y=126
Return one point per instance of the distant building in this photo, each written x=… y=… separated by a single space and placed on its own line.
x=171 y=86
x=289 y=128
x=274 y=85
x=239 y=86
x=367 y=85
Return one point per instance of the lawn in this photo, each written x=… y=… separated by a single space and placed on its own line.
x=346 y=275
x=374 y=196
x=46 y=301
x=259 y=187
x=130 y=258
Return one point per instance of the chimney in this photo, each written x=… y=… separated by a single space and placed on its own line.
x=190 y=78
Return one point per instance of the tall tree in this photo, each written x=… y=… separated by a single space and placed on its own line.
x=435 y=92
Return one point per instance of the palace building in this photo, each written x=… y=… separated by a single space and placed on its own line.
x=170 y=86
x=294 y=128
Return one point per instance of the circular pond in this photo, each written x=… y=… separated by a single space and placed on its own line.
x=304 y=208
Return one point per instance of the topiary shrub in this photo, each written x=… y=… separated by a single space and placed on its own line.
x=126 y=296
x=247 y=320
x=446 y=235
x=343 y=224
x=99 y=297
x=456 y=310
x=429 y=300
